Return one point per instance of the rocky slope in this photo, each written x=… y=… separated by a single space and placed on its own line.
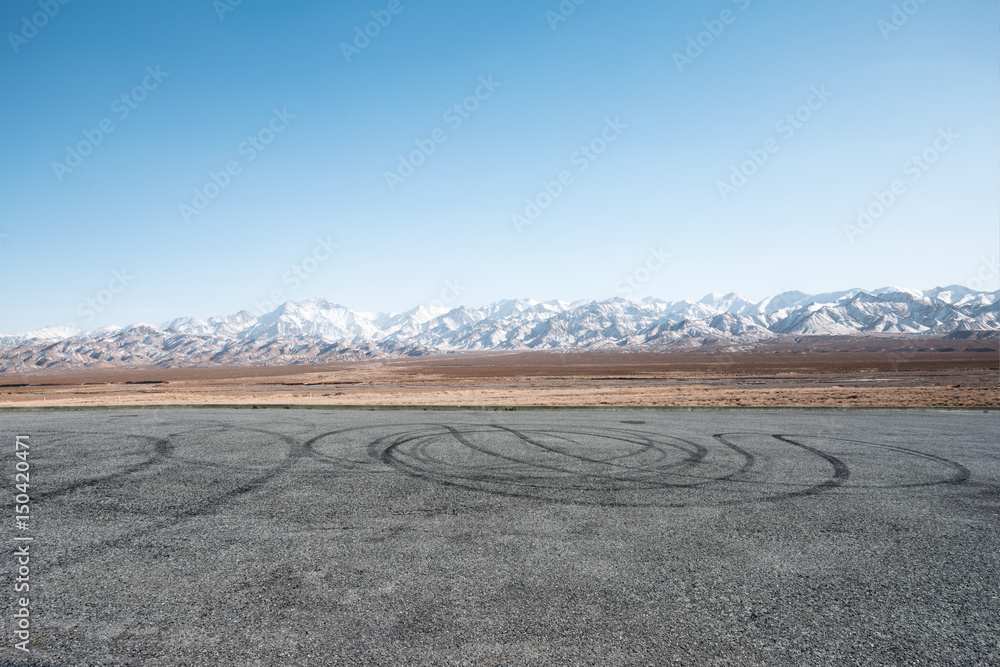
x=318 y=330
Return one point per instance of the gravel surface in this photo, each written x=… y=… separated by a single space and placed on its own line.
x=311 y=537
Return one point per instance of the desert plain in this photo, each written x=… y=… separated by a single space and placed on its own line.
x=818 y=372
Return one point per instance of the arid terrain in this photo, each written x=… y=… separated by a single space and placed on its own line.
x=817 y=372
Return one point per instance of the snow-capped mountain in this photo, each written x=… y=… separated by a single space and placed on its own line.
x=318 y=330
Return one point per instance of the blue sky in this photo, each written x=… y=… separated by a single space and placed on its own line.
x=312 y=214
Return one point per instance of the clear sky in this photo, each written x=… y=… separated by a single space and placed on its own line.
x=121 y=119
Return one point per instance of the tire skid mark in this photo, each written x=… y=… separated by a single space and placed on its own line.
x=409 y=453
x=698 y=455
x=161 y=451
x=571 y=473
x=523 y=479
x=419 y=453
x=390 y=450
x=328 y=459
x=749 y=460
x=422 y=450
x=200 y=508
x=224 y=428
x=468 y=444
x=960 y=476
x=693 y=458
x=840 y=472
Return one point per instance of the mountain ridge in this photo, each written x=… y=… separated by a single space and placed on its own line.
x=317 y=329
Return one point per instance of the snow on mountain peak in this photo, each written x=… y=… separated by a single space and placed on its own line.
x=316 y=328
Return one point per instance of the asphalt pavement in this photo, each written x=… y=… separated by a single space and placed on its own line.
x=646 y=537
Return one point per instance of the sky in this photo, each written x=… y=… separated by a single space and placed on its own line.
x=172 y=158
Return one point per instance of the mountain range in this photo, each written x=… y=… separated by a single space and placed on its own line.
x=317 y=330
